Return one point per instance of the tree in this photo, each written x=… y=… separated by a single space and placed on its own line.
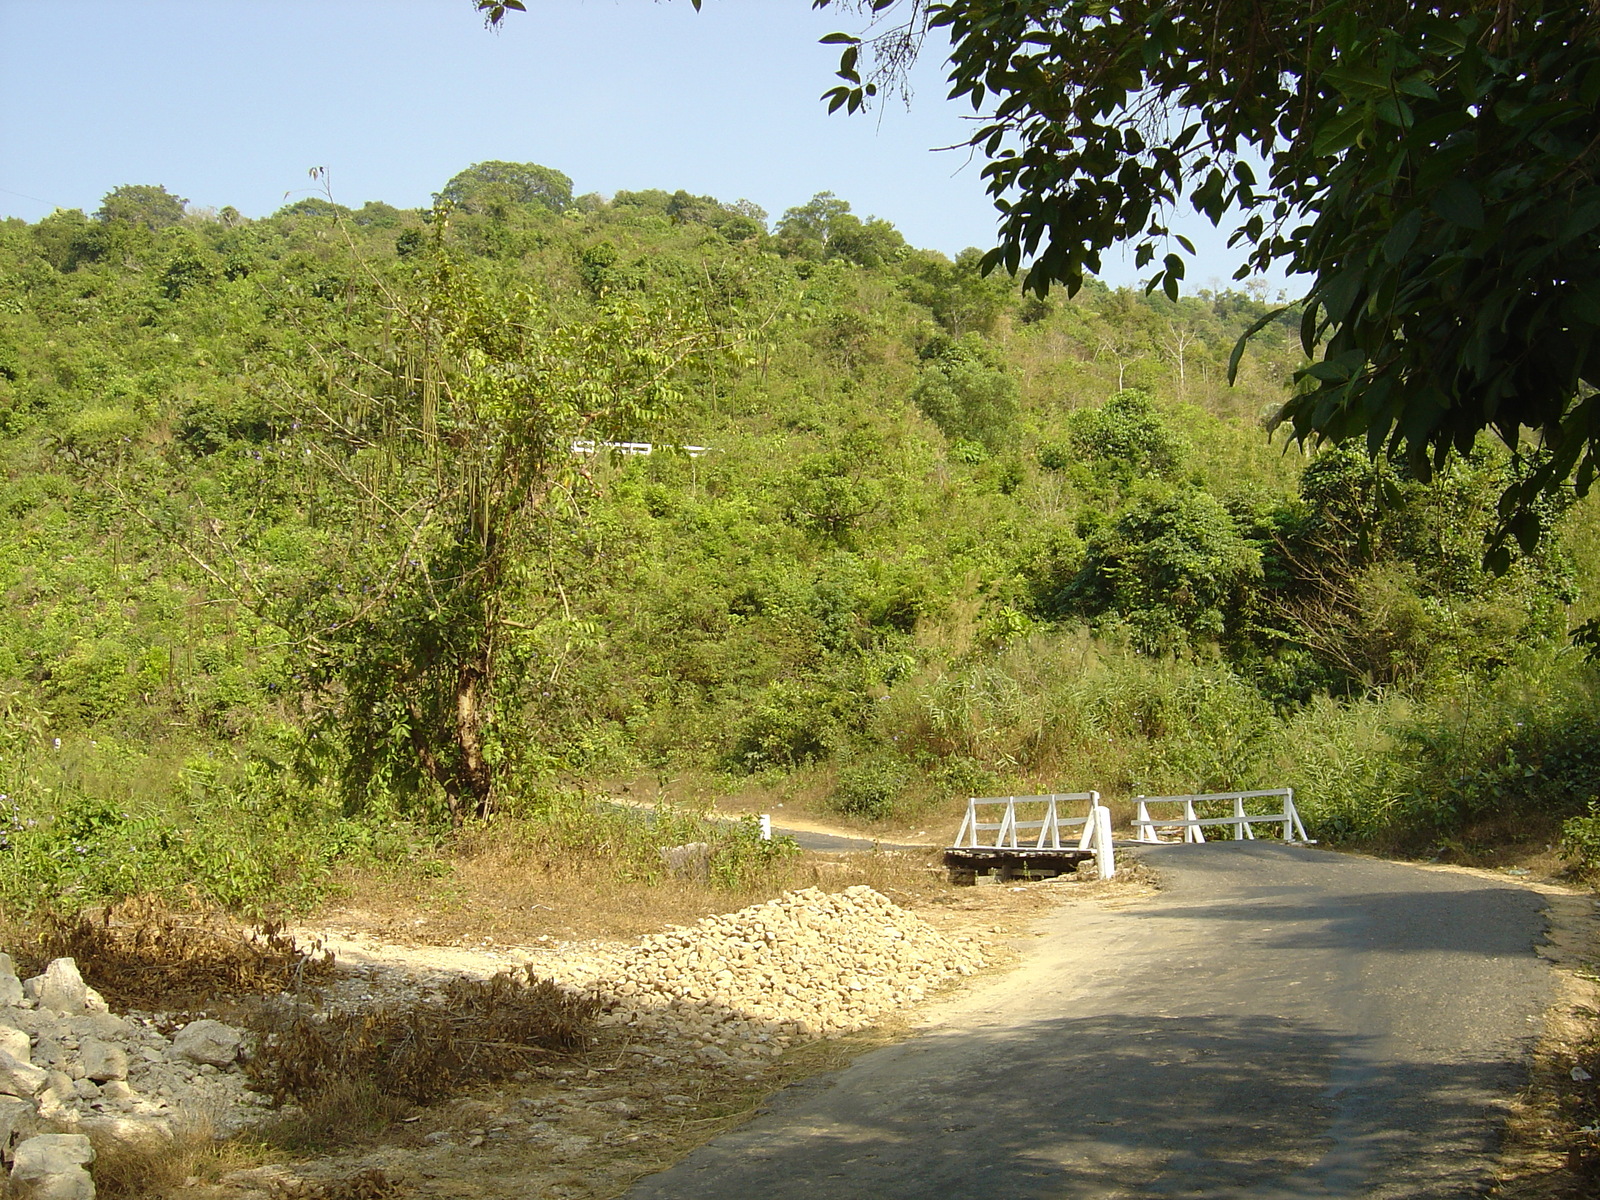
x=433 y=423
x=494 y=187
x=1126 y=439
x=960 y=297
x=964 y=390
x=148 y=205
x=824 y=228
x=1431 y=168
x=1172 y=567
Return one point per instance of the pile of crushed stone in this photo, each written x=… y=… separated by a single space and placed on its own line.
x=733 y=989
x=740 y=987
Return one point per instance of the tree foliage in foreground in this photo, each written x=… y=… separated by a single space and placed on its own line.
x=1431 y=168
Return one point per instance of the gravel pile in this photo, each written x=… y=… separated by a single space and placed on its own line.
x=740 y=987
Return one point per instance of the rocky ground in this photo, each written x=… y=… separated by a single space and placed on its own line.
x=696 y=1024
x=73 y=1075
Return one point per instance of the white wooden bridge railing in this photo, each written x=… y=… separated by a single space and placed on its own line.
x=1008 y=830
x=1146 y=828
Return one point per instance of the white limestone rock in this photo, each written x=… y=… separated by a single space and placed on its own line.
x=117 y=1091
x=17 y=1120
x=16 y=1043
x=207 y=1041
x=60 y=988
x=58 y=1099
x=102 y=1061
x=100 y=1025
x=690 y=861
x=11 y=993
x=19 y=1078
x=51 y=1166
x=50 y=1054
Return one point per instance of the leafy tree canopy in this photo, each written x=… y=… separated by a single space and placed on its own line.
x=493 y=187
x=964 y=390
x=149 y=205
x=824 y=228
x=1126 y=437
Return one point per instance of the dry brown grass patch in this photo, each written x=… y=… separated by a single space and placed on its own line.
x=341 y=1113
x=371 y=1184
x=497 y=894
x=142 y=953
x=153 y=1166
x=477 y=1031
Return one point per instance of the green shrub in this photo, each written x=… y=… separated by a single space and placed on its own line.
x=242 y=836
x=789 y=724
x=1126 y=437
x=870 y=787
x=1580 y=841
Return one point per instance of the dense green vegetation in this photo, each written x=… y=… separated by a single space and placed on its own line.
x=1428 y=169
x=304 y=561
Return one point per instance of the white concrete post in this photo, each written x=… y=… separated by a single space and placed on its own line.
x=1104 y=855
x=766 y=827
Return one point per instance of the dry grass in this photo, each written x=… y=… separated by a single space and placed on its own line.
x=155 y=1166
x=142 y=954
x=477 y=1031
x=339 y=1114
x=497 y=894
x=371 y=1184
x=1551 y=1149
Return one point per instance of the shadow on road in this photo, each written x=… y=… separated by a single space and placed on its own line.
x=1279 y=1023
x=1347 y=904
x=1105 y=1106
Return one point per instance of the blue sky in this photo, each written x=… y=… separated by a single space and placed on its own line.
x=232 y=101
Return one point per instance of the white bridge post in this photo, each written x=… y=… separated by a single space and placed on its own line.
x=1104 y=855
x=1147 y=832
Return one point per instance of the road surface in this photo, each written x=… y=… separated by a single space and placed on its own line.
x=835 y=843
x=1277 y=1023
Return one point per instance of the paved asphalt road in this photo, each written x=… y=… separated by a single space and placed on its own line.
x=835 y=842
x=1277 y=1023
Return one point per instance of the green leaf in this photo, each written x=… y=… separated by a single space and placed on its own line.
x=1401 y=236
x=1244 y=338
x=1459 y=203
x=1359 y=80
x=1340 y=132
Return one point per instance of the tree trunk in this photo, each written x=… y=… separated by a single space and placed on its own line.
x=464 y=776
x=477 y=778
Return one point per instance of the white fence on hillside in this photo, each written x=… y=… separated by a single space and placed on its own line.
x=1044 y=829
x=1147 y=828
x=586 y=446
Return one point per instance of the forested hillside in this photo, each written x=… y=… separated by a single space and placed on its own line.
x=313 y=543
